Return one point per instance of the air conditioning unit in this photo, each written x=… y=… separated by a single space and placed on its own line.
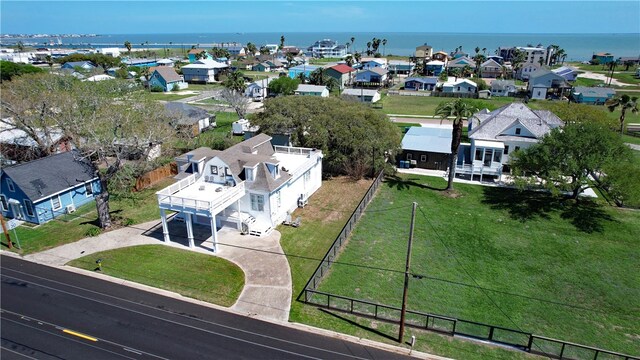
x=70 y=208
x=208 y=178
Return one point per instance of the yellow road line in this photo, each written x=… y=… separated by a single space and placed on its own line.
x=79 y=335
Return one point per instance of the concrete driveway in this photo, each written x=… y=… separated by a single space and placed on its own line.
x=267 y=289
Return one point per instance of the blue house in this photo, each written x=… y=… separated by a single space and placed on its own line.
x=602 y=58
x=374 y=75
x=434 y=67
x=295 y=71
x=86 y=65
x=166 y=78
x=40 y=190
x=420 y=83
x=592 y=95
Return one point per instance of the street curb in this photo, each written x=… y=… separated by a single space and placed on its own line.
x=292 y=325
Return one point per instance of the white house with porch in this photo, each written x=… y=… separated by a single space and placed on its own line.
x=493 y=135
x=252 y=186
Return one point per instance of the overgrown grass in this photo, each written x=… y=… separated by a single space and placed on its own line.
x=514 y=259
x=137 y=208
x=199 y=276
x=581 y=81
x=168 y=96
x=426 y=105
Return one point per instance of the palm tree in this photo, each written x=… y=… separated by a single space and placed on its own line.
x=251 y=48
x=353 y=39
x=349 y=60
x=384 y=47
x=290 y=58
x=235 y=82
x=625 y=102
x=357 y=56
x=49 y=61
x=128 y=46
x=281 y=42
x=302 y=77
x=459 y=110
x=369 y=48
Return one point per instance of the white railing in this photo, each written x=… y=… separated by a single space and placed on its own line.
x=304 y=167
x=174 y=188
x=478 y=169
x=293 y=150
x=167 y=199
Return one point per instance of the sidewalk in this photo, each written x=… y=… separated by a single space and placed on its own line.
x=267 y=290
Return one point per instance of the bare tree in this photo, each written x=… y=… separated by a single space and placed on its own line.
x=237 y=101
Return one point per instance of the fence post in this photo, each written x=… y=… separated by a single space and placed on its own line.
x=562 y=351
x=530 y=343
x=491 y=333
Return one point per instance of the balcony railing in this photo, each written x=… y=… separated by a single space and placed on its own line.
x=168 y=199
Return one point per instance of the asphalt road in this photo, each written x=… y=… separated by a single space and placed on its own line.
x=47 y=313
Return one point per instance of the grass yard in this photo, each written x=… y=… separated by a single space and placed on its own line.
x=138 y=208
x=322 y=220
x=426 y=105
x=581 y=81
x=216 y=280
x=205 y=87
x=502 y=257
x=168 y=96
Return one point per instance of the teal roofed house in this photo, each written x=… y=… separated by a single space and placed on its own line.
x=602 y=58
x=196 y=54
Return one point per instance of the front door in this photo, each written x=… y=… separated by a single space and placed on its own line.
x=16 y=209
x=488 y=154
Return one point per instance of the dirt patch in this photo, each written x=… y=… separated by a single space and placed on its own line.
x=452 y=194
x=336 y=199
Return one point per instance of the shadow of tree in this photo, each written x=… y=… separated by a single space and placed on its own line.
x=586 y=215
x=95 y=222
x=394 y=181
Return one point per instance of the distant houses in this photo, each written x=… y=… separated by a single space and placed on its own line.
x=602 y=58
x=188 y=120
x=294 y=72
x=327 y=48
x=167 y=79
x=543 y=83
x=312 y=90
x=341 y=72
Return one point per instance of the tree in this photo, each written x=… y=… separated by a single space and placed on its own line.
x=384 y=47
x=235 y=82
x=317 y=77
x=353 y=39
x=251 y=49
x=565 y=158
x=237 y=101
x=107 y=122
x=572 y=113
x=625 y=102
x=127 y=45
x=369 y=48
x=283 y=86
x=518 y=59
x=9 y=70
x=290 y=58
x=281 y=43
x=357 y=56
x=264 y=50
x=352 y=136
x=302 y=77
x=628 y=64
x=459 y=110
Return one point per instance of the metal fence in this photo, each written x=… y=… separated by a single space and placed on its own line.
x=330 y=256
x=521 y=340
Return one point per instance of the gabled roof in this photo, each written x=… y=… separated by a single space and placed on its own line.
x=435 y=63
x=168 y=74
x=184 y=114
x=311 y=88
x=196 y=51
x=462 y=61
x=563 y=70
x=358 y=92
x=491 y=62
x=594 y=91
x=261 y=83
x=492 y=125
x=424 y=80
x=44 y=177
x=79 y=63
x=376 y=70
x=429 y=139
x=342 y=68
x=461 y=81
x=501 y=84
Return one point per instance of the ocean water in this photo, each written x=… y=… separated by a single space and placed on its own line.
x=577 y=46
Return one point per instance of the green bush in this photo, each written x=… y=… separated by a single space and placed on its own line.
x=94 y=231
x=157 y=88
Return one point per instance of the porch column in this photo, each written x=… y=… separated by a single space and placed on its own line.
x=239 y=221
x=214 y=233
x=189 y=223
x=165 y=227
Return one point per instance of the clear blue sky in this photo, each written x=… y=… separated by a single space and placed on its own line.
x=144 y=17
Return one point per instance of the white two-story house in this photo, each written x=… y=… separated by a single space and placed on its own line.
x=251 y=186
x=494 y=135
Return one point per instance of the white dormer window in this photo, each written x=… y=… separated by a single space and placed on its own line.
x=518 y=131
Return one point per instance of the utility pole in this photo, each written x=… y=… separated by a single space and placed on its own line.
x=5 y=231
x=406 y=274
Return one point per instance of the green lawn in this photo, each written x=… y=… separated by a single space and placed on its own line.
x=631 y=139
x=426 y=105
x=199 y=276
x=205 y=87
x=168 y=96
x=137 y=208
x=322 y=221
x=550 y=267
x=580 y=81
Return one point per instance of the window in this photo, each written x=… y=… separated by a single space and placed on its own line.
x=29 y=207
x=10 y=185
x=227 y=171
x=423 y=158
x=248 y=172
x=278 y=198
x=497 y=156
x=214 y=170
x=409 y=156
x=479 y=154
x=257 y=202
x=517 y=131
x=3 y=203
x=55 y=202
x=88 y=189
x=458 y=88
x=506 y=149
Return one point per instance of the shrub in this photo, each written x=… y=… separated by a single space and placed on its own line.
x=94 y=231
x=157 y=88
